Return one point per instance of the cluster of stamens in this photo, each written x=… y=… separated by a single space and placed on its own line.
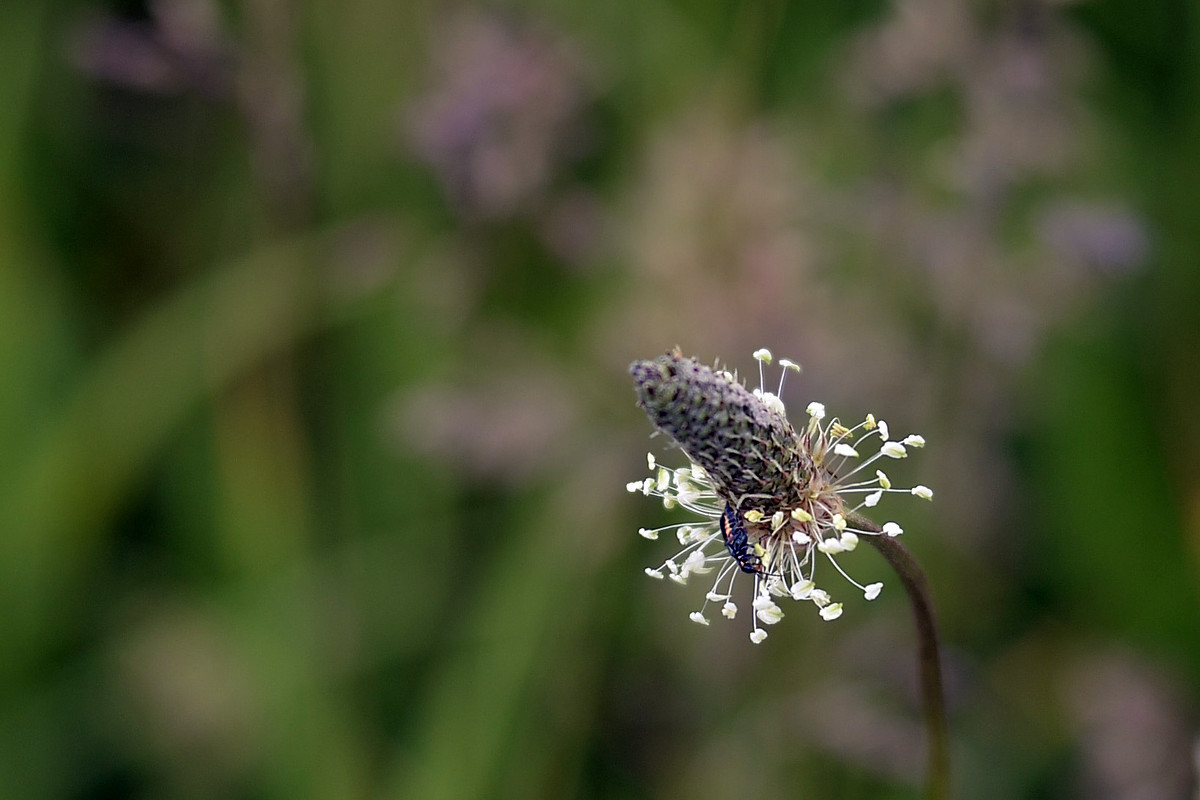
x=814 y=521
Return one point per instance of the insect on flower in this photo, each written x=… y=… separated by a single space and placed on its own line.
x=737 y=542
x=772 y=501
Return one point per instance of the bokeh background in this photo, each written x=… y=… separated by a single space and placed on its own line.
x=315 y=421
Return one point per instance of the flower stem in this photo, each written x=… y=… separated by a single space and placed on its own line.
x=933 y=698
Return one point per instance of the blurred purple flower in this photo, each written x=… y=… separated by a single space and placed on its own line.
x=503 y=114
x=180 y=47
x=1107 y=238
x=1135 y=738
x=508 y=429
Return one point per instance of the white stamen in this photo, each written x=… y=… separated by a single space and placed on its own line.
x=773 y=402
x=767 y=611
x=802 y=590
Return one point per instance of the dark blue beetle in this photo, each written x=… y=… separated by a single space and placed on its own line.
x=737 y=542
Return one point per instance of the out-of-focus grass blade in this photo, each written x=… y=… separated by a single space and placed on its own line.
x=68 y=484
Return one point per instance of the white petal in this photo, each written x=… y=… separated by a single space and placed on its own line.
x=923 y=492
x=892 y=529
x=872 y=590
x=698 y=618
x=843 y=449
x=893 y=450
x=831 y=612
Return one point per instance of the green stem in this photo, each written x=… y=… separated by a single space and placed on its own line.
x=932 y=692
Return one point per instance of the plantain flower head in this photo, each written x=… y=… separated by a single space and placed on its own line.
x=767 y=500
